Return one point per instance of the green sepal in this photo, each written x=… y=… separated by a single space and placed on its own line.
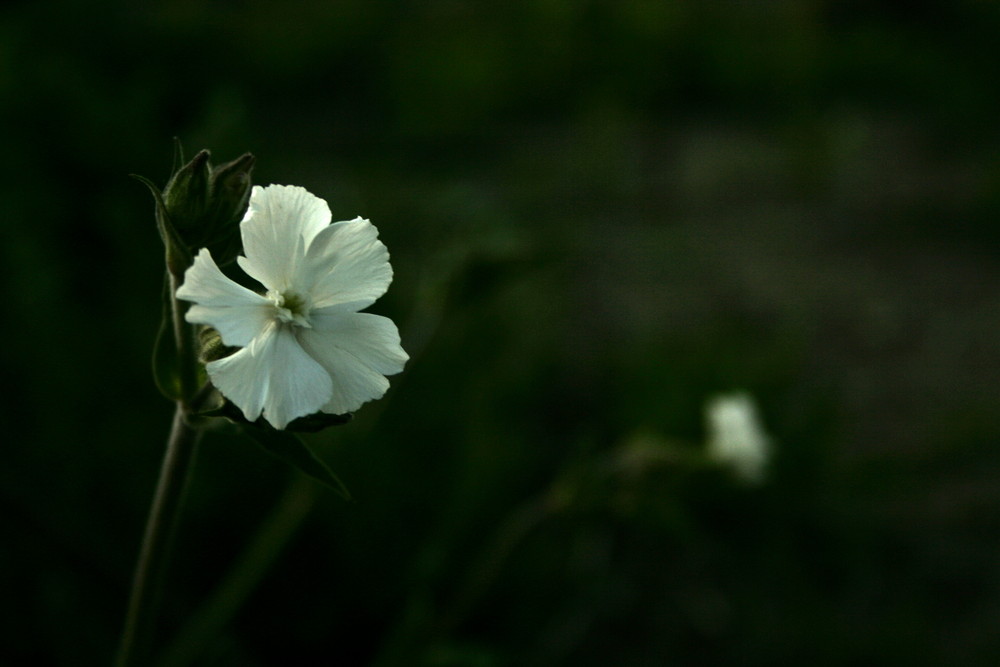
x=291 y=449
x=178 y=156
x=208 y=402
x=230 y=188
x=179 y=258
x=187 y=194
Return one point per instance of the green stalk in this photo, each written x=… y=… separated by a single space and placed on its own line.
x=140 y=620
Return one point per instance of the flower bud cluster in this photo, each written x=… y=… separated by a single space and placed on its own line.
x=204 y=204
x=201 y=207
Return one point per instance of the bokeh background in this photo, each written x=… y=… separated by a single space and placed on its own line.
x=600 y=214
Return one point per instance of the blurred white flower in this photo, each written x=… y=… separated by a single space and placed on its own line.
x=736 y=437
x=305 y=346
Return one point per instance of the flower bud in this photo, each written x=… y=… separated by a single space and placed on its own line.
x=204 y=204
x=230 y=187
x=186 y=197
x=211 y=346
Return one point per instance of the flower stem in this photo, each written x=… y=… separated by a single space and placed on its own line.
x=140 y=619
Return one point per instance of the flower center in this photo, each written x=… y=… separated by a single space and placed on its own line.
x=290 y=308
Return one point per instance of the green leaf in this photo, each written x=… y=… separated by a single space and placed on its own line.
x=293 y=450
x=166 y=363
x=317 y=422
x=165 y=373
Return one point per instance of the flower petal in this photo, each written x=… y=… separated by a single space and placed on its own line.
x=273 y=375
x=345 y=263
x=280 y=223
x=374 y=339
x=238 y=314
x=357 y=350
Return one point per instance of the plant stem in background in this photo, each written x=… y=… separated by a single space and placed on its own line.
x=140 y=619
x=265 y=547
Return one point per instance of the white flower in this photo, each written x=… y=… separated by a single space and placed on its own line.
x=305 y=346
x=736 y=437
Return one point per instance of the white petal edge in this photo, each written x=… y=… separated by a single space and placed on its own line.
x=280 y=222
x=345 y=263
x=357 y=350
x=238 y=314
x=273 y=376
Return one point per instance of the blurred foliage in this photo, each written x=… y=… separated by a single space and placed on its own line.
x=599 y=213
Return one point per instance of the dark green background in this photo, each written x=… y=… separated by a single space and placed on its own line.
x=599 y=214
